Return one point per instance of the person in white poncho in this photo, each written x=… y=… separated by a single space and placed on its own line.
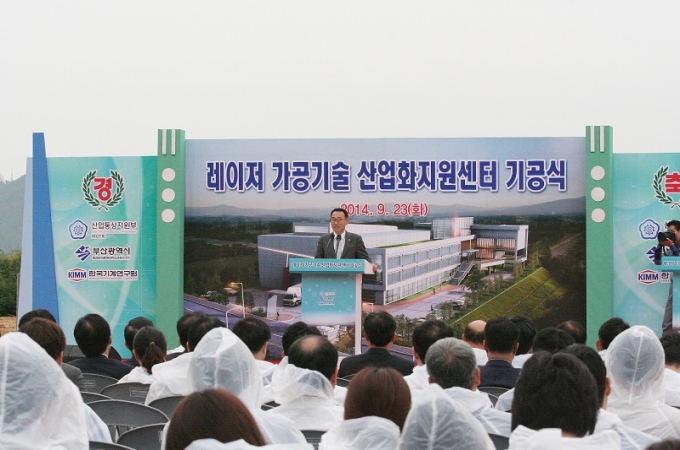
x=305 y=389
x=149 y=348
x=377 y=403
x=556 y=405
x=635 y=365
x=222 y=361
x=424 y=335
x=436 y=422
x=39 y=407
x=451 y=364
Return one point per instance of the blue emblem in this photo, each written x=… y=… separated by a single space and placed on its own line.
x=649 y=229
x=83 y=252
x=78 y=230
x=650 y=253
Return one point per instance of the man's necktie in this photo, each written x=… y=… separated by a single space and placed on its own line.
x=338 y=238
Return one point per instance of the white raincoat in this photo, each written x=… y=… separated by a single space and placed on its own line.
x=635 y=365
x=339 y=392
x=363 y=433
x=631 y=439
x=478 y=404
x=306 y=397
x=436 y=422
x=222 y=361
x=212 y=444
x=418 y=380
x=40 y=408
x=671 y=383
x=523 y=438
x=170 y=378
x=138 y=375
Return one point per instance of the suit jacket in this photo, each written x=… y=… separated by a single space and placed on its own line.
x=498 y=372
x=354 y=247
x=72 y=373
x=101 y=365
x=374 y=357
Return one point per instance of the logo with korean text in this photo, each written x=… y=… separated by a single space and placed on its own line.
x=664 y=184
x=648 y=277
x=103 y=192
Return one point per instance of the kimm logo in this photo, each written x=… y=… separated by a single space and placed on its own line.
x=648 y=276
x=106 y=196
x=665 y=183
x=77 y=274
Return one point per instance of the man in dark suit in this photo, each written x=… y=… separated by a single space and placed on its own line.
x=93 y=336
x=380 y=332
x=341 y=243
x=501 y=340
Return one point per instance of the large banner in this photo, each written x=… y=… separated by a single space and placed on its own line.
x=104 y=227
x=430 y=211
x=647 y=195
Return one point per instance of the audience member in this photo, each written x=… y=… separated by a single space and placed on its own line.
x=222 y=361
x=452 y=365
x=292 y=334
x=635 y=364
x=424 y=335
x=556 y=406
x=50 y=337
x=93 y=336
x=607 y=332
x=172 y=377
x=184 y=323
x=631 y=439
x=436 y=422
x=527 y=333
x=255 y=334
x=305 y=393
x=211 y=414
x=379 y=331
x=377 y=403
x=73 y=373
x=129 y=332
x=575 y=330
x=670 y=342
x=39 y=407
x=474 y=336
x=500 y=342
x=148 y=348
x=668 y=444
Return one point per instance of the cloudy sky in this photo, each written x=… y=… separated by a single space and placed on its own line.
x=99 y=78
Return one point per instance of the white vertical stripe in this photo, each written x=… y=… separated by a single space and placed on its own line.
x=164 y=144
x=174 y=142
x=592 y=139
x=601 y=139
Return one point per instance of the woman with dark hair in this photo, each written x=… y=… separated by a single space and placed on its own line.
x=377 y=403
x=149 y=348
x=211 y=414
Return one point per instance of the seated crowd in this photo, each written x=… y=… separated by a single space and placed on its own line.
x=504 y=380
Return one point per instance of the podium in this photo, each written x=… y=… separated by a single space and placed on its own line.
x=331 y=292
x=672 y=264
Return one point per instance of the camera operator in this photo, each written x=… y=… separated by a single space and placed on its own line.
x=669 y=245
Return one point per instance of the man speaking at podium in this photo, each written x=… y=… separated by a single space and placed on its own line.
x=341 y=243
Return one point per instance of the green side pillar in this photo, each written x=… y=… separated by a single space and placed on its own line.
x=170 y=232
x=599 y=228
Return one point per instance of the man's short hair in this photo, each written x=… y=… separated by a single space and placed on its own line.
x=427 y=333
x=47 y=334
x=379 y=328
x=295 y=332
x=40 y=312
x=552 y=340
x=314 y=353
x=470 y=335
x=92 y=333
x=527 y=333
x=185 y=322
x=671 y=348
x=501 y=335
x=594 y=363
x=610 y=329
x=253 y=332
x=575 y=329
x=132 y=327
x=342 y=210
x=200 y=328
x=555 y=391
x=451 y=362
x=673 y=223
